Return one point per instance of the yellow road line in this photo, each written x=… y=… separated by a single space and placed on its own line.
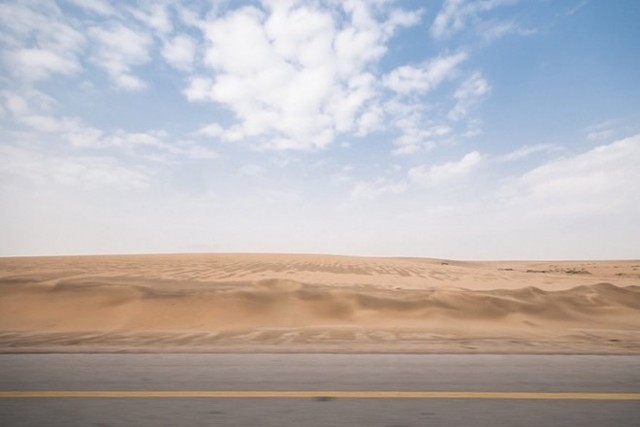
x=319 y=394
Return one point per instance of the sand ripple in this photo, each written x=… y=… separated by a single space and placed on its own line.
x=312 y=303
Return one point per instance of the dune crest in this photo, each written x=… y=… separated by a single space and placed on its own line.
x=238 y=302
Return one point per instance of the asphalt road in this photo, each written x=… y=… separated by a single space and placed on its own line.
x=311 y=390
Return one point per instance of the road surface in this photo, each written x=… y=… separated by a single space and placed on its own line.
x=318 y=390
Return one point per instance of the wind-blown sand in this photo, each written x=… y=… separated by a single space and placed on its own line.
x=259 y=302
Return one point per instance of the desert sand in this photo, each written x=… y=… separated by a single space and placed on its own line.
x=316 y=303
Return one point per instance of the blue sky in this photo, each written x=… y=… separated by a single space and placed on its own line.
x=486 y=129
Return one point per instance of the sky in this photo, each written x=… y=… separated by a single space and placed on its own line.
x=464 y=129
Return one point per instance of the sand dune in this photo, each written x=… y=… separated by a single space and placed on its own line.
x=252 y=302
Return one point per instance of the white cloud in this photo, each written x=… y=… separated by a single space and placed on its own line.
x=186 y=148
x=87 y=172
x=43 y=123
x=199 y=89
x=455 y=15
x=33 y=111
x=83 y=136
x=370 y=120
x=15 y=104
x=604 y=130
x=198 y=152
x=179 y=51
x=415 y=138
x=472 y=90
x=137 y=139
x=39 y=64
x=604 y=179
x=213 y=130
x=153 y=15
x=492 y=30
x=417 y=128
x=473 y=128
x=38 y=25
x=402 y=18
x=37 y=41
x=118 y=50
x=600 y=135
x=251 y=170
x=27 y=101
x=611 y=129
x=296 y=75
x=528 y=150
x=432 y=176
x=423 y=125
x=576 y=8
x=101 y=7
x=374 y=189
x=407 y=79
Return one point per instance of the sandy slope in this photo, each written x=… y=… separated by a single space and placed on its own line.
x=247 y=302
